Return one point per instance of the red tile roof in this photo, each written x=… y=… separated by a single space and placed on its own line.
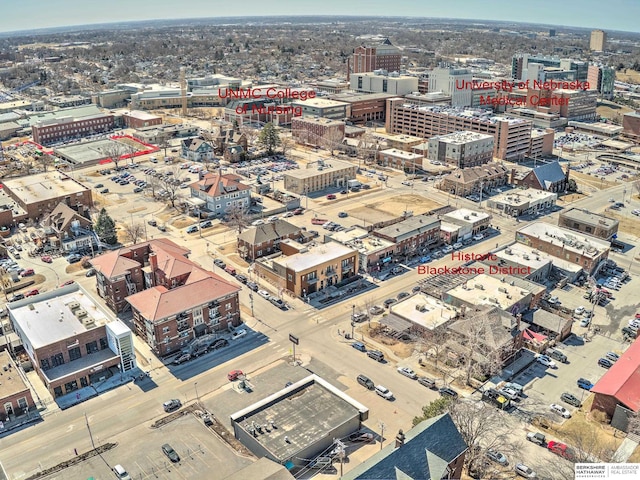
x=158 y=303
x=215 y=184
x=622 y=380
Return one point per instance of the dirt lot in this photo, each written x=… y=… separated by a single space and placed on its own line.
x=133 y=143
x=628 y=75
x=571 y=197
x=584 y=179
x=393 y=208
x=612 y=111
x=399 y=348
x=627 y=225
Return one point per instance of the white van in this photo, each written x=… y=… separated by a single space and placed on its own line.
x=121 y=472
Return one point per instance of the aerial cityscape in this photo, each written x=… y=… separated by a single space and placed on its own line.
x=341 y=243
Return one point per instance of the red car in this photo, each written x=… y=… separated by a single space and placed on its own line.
x=560 y=449
x=46 y=259
x=68 y=282
x=31 y=293
x=28 y=272
x=331 y=196
x=234 y=374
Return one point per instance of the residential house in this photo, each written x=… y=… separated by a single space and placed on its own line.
x=196 y=149
x=265 y=239
x=68 y=229
x=234 y=153
x=216 y=193
x=15 y=394
x=432 y=450
x=228 y=137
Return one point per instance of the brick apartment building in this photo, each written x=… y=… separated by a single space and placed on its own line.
x=318 y=132
x=15 y=395
x=173 y=300
x=461 y=149
x=512 y=137
x=263 y=240
x=364 y=107
x=70 y=341
x=411 y=236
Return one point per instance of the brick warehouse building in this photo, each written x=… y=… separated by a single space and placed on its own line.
x=46 y=132
x=317 y=131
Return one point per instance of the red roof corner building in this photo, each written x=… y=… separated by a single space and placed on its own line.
x=620 y=385
x=173 y=300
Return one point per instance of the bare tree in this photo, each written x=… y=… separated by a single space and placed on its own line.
x=45 y=160
x=367 y=147
x=133 y=231
x=251 y=134
x=483 y=427
x=114 y=151
x=436 y=343
x=163 y=142
x=171 y=185
x=236 y=217
x=332 y=139
x=287 y=144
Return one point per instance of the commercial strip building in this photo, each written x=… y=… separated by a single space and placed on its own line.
x=400 y=159
x=69 y=123
x=303 y=270
x=522 y=201
x=584 y=221
x=461 y=149
x=412 y=236
x=71 y=342
x=512 y=137
x=319 y=175
x=373 y=252
x=173 y=299
x=578 y=248
x=321 y=107
x=298 y=423
x=139 y=119
x=15 y=394
x=318 y=131
x=468 y=223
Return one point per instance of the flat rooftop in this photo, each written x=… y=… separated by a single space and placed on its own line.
x=524 y=255
x=305 y=412
x=394 y=152
x=319 y=103
x=519 y=198
x=318 y=255
x=466 y=215
x=86 y=152
x=487 y=289
x=43 y=186
x=576 y=242
x=589 y=218
x=314 y=169
x=477 y=114
x=359 y=239
x=328 y=122
x=56 y=315
x=12 y=382
x=401 y=139
x=73 y=112
x=424 y=310
x=460 y=138
x=352 y=97
x=141 y=115
x=409 y=226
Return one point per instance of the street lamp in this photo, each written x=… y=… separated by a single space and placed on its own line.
x=251 y=302
x=195 y=385
x=353 y=316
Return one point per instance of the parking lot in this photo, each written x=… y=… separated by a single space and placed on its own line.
x=139 y=452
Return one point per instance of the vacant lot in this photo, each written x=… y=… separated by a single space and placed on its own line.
x=393 y=208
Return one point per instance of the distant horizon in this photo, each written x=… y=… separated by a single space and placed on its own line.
x=34 y=15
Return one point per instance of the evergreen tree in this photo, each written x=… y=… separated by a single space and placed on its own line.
x=105 y=228
x=269 y=138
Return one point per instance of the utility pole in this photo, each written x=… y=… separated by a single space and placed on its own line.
x=195 y=385
x=381 y=434
x=251 y=302
x=353 y=316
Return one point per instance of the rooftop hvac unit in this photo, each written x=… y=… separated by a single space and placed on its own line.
x=493 y=300
x=479 y=286
x=502 y=289
x=467 y=217
x=81 y=313
x=88 y=322
x=74 y=305
x=509 y=297
x=525 y=256
x=508 y=251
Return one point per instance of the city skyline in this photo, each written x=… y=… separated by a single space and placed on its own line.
x=37 y=14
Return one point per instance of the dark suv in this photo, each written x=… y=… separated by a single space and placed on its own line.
x=366 y=382
x=570 y=399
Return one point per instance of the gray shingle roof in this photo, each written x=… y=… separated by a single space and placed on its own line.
x=269 y=231
x=549 y=174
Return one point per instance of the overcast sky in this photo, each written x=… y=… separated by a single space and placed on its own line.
x=604 y=14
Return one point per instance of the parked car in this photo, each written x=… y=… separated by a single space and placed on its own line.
x=90 y=273
x=384 y=392
x=376 y=310
x=524 y=471
x=16 y=297
x=219 y=263
x=359 y=346
x=46 y=259
x=407 y=372
x=585 y=384
x=238 y=334
x=402 y=295
x=278 y=303
x=264 y=294
x=252 y=286
x=560 y=410
x=219 y=343
x=546 y=361
x=389 y=301
x=427 y=382
x=28 y=272
x=611 y=356
x=242 y=278
x=192 y=229
x=561 y=449
x=448 y=392
x=331 y=196
x=497 y=457
x=366 y=382
x=359 y=317
x=31 y=293
x=185 y=357
x=537 y=438
x=170 y=452
x=104 y=190
x=234 y=374
x=604 y=363
x=570 y=399
x=171 y=405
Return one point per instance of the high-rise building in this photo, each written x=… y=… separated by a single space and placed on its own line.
x=454 y=82
x=461 y=149
x=383 y=55
x=547 y=68
x=602 y=79
x=598 y=40
x=380 y=82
